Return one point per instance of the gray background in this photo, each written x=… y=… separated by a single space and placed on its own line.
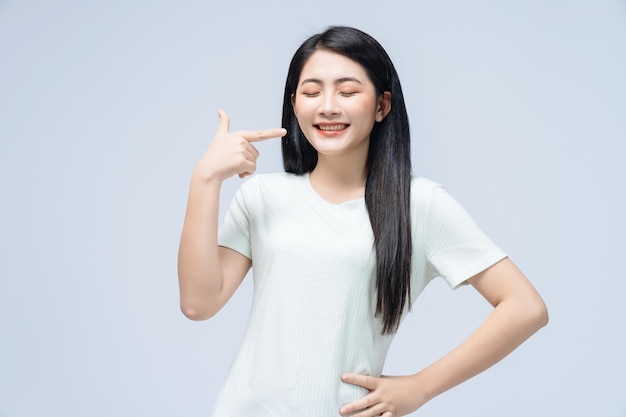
x=517 y=107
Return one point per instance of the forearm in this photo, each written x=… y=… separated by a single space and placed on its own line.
x=508 y=326
x=209 y=275
x=199 y=272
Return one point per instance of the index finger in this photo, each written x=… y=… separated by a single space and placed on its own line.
x=365 y=381
x=259 y=135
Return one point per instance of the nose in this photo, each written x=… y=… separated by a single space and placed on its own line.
x=328 y=105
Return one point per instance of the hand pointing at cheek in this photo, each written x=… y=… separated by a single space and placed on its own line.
x=232 y=153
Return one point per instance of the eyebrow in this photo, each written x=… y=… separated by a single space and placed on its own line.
x=337 y=81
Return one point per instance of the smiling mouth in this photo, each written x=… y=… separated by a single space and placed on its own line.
x=332 y=127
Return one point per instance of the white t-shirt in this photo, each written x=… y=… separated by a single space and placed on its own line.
x=312 y=315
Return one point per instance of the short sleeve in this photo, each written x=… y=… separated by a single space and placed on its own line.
x=235 y=230
x=455 y=247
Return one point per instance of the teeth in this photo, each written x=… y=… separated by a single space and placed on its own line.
x=333 y=127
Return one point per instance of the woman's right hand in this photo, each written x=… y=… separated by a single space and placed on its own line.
x=231 y=153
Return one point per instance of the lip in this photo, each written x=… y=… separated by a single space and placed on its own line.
x=331 y=129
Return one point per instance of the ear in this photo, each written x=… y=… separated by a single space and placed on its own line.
x=293 y=103
x=384 y=106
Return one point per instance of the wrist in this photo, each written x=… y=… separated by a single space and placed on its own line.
x=423 y=390
x=205 y=179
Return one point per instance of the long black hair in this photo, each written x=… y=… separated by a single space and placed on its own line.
x=388 y=184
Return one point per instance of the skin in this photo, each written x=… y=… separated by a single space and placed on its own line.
x=208 y=275
x=334 y=91
x=518 y=312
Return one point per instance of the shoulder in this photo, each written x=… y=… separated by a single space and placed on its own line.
x=423 y=190
x=271 y=180
x=422 y=184
x=261 y=186
x=431 y=202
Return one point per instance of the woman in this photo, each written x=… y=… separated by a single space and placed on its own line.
x=341 y=245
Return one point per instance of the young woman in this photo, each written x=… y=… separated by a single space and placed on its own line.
x=341 y=245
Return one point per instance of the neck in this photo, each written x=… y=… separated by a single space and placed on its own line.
x=338 y=180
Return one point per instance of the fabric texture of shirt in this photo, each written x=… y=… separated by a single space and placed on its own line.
x=314 y=298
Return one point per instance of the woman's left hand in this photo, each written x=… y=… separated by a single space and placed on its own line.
x=389 y=396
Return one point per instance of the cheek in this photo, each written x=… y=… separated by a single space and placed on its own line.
x=300 y=117
x=301 y=111
x=366 y=105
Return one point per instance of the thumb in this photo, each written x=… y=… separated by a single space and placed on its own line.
x=224 y=124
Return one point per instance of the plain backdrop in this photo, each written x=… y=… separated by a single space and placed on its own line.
x=517 y=107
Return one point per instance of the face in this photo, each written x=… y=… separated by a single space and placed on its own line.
x=336 y=104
